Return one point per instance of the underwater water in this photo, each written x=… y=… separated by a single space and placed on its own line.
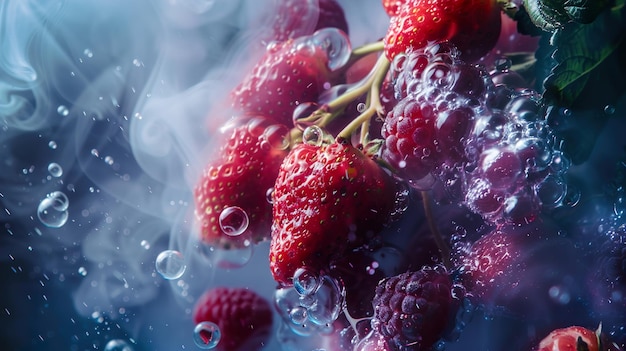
x=107 y=115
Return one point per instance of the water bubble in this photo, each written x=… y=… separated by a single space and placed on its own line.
x=313 y=135
x=117 y=345
x=95 y=152
x=551 y=191
x=109 y=160
x=206 y=335
x=336 y=44
x=503 y=64
x=63 y=110
x=55 y=169
x=609 y=109
x=329 y=300
x=233 y=221
x=305 y=281
x=82 y=271
x=301 y=112
x=361 y=107
x=572 y=198
x=559 y=295
x=52 y=144
x=276 y=136
x=52 y=211
x=88 y=53
x=170 y=264
x=269 y=195
x=298 y=315
x=145 y=244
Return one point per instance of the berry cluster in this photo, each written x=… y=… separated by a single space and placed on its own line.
x=327 y=167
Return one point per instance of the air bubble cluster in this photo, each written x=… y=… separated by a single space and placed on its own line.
x=487 y=145
x=312 y=304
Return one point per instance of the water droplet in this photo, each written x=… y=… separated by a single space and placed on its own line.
x=313 y=135
x=95 y=152
x=360 y=107
x=503 y=64
x=276 y=136
x=117 y=345
x=609 y=109
x=63 y=110
x=269 y=195
x=52 y=144
x=137 y=63
x=55 y=169
x=336 y=44
x=170 y=264
x=206 y=335
x=233 y=221
x=145 y=244
x=301 y=112
x=52 y=211
x=82 y=271
x=305 y=281
x=559 y=295
x=109 y=160
x=88 y=53
x=298 y=315
x=329 y=300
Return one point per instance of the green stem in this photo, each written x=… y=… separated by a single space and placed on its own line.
x=374 y=106
x=444 y=249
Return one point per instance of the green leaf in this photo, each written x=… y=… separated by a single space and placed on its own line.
x=580 y=49
x=585 y=11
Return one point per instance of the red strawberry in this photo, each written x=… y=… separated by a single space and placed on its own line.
x=296 y=18
x=576 y=339
x=239 y=177
x=392 y=7
x=327 y=199
x=244 y=318
x=289 y=74
x=472 y=25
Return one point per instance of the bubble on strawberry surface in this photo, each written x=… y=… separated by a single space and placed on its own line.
x=336 y=44
x=305 y=281
x=329 y=298
x=53 y=210
x=206 y=335
x=233 y=221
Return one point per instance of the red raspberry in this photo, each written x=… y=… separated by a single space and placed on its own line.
x=413 y=309
x=244 y=317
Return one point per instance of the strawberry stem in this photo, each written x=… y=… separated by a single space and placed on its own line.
x=373 y=105
x=444 y=249
x=364 y=50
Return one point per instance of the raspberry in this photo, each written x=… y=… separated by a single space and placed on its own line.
x=413 y=309
x=244 y=318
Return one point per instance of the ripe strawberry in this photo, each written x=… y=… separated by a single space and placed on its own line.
x=243 y=317
x=240 y=176
x=575 y=339
x=296 y=18
x=327 y=199
x=472 y=25
x=392 y=7
x=289 y=74
x=413 y=309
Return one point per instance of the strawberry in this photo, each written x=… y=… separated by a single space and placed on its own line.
x=576 y=338
x=289 y=74
x=296 y=18
x=392 y=7
x=246 y=167
x=327 y=199
x=244 y=318
x=472 y=25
